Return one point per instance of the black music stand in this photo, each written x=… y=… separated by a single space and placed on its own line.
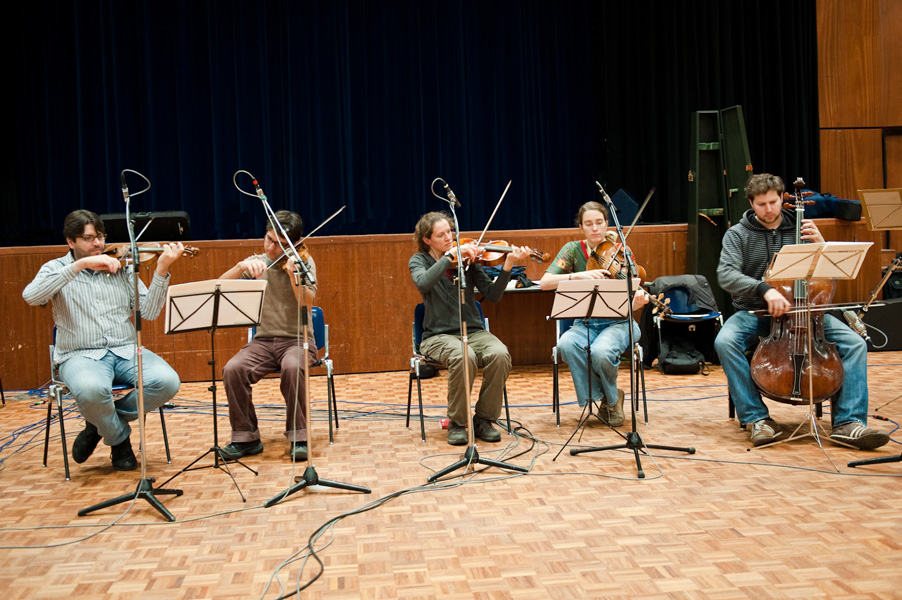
x=211 y=305
x=589 y=299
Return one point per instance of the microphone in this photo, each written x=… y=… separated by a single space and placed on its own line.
x=603 y=193
x=124 y=187
x=451 y=195
x=259 y=190
x=856 y=324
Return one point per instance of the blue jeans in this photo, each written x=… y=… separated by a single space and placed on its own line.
x=740 y=333
x=608 y=339
x=91 y=382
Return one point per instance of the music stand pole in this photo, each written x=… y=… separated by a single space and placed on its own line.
x=587 y=409
x=471 y=455
x=219 y=459
x=633 y=439
x=145 y=489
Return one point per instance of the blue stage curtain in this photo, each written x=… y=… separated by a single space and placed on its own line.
x=364 y=103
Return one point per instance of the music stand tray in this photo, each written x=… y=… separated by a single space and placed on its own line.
x=210 y=305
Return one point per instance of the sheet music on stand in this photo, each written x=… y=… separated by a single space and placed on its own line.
x=828 y=260
x=572 y=299
x=190 y=306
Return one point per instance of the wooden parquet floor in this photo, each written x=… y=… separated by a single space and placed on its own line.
x=724 y=523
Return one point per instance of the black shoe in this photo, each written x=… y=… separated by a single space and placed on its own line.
x=482 y=428
x=297 y=451
x=457 y=434
x=123 y=457
x=84 y=445
x=236 y=450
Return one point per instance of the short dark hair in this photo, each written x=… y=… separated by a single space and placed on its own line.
x=292 y=224
x=763 y=183
x=590 y=206
x=425 y=226
x=77 y=220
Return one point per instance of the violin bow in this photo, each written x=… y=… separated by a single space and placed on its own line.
x=639 y=214
x=503 y=194
x=304 y=239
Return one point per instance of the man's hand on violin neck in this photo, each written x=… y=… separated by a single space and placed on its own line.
x=170 y=254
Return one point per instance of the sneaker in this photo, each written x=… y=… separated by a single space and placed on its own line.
x=297 y=451
x=457 y=434
x=858 y=435
x=765 y=431
x=483 y=429
x=236 y=450
x=85 y=443
x=123 y=456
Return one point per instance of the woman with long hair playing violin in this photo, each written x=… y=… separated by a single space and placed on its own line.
x=608 y=338
x=433 y=273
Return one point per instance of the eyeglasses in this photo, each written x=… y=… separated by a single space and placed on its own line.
x=90 y=238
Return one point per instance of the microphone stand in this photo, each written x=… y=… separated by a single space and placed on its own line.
x=145 y=487
x=633 y=439
x=302 y=277
x=471 y=455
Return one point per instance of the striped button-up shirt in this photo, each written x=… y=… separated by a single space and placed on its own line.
x=92 y=309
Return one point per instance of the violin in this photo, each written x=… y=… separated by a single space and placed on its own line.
x=493 y=253
x=147 y=253
x=795 y=363
x=301 y=249
x=609 y=258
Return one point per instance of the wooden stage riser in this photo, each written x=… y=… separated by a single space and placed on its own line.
x=367 y=296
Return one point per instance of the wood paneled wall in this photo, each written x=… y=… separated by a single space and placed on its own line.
x=366 y=294
x=859 y=94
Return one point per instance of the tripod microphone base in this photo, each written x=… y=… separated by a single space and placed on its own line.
x=310 y=477
x=634 y=443
x=145 y=490
x=471 y=457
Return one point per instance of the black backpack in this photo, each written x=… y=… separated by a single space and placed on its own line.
x=682 y=347
x=679 y=356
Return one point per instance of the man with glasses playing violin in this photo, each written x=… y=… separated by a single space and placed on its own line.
x=748 y=248
x=608 y=338
x=276 y=345
x=433 y=270
x=93 y=299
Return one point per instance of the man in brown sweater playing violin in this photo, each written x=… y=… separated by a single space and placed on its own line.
x=277 y=344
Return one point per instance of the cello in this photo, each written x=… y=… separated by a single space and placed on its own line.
x=795 y=363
